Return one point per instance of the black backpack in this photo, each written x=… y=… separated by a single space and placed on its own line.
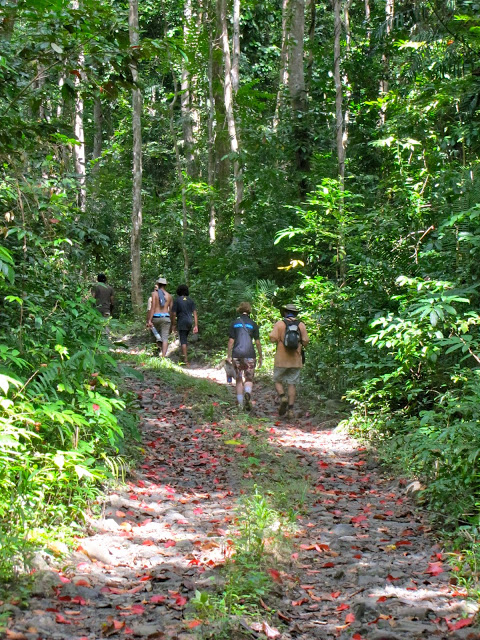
x=292 y=337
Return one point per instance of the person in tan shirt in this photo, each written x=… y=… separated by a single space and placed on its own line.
x=288 y=361
x=159 y=313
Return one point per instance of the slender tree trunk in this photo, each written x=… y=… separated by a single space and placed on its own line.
x=367 y=20
x=297 y=88
x=222 y=143
x=339 y=126
x=185 y=101
x=389 y=15
x=78 y=128
x=236 y=46
x=283 y=81
x=232 y=129
x=338 y=91
x=311 y=10
x=181 y=182
x=211 y=149
x=97 y=131
x=135 y=240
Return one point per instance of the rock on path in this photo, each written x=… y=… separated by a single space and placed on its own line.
x=364 y=565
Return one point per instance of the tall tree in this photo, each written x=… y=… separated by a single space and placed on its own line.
x=236 y=46
x=79 y=153
x=136 y=283
x=229 y=111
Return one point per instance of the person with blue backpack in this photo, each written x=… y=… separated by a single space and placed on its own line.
x=242 y=334
x=159 y=315
x=290 y=335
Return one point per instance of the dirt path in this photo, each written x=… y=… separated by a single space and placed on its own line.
x=362 y=563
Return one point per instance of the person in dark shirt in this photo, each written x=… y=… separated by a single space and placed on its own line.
x=184 y=316
x=103 y=294
x=241 y=353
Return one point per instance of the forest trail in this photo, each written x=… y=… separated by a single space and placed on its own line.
x=362 y=563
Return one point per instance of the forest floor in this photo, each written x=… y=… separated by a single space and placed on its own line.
x=342 y=551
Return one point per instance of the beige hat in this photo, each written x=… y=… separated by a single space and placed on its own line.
x=161 y=281
x=291 y=307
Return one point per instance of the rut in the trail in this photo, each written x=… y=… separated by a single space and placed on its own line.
x=364 y=565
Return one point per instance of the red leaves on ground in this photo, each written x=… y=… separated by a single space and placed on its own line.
x=157 y=599
x=298 y=603
x=464 y=622
x=276 y=577
x=343 y=607
x=191 y=624
x=82 y=583
x=358 y=519
x=434 y=568
x=349 y=618
x=169 y=543
x=335 y=594
x=59 y=619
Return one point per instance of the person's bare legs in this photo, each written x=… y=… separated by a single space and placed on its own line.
x=283 y=400
x=239 y=389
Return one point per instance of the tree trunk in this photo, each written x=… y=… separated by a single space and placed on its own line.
x=367 y=20
x=78 y=128
x=222 y=144
x=136 y=292
x=236 y=46
x=297 y=89
x=181 y=181
x=97 y=131
x=311 y=10
x=211 y=149
x=389 y=14
x=186 y=97
x=283 y=81
x=232 y=129
x=339 y=127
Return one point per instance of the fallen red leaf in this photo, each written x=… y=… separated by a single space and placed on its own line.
x=297 y=603
x=343 y=607
x=59 y=619
x=335 y=594
x=191 y=624
x=170 y=543
x=434 y=568
x=464 y=622
x=276 y=577
x=349 y=618
x=157 y=599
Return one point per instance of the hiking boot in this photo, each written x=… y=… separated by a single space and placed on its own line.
x=283 y=406
x=290 y=415
x=247 y=402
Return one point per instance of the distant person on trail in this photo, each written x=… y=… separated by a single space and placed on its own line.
x=156 y=335
x=184 y=315
x=103 y=294
x=241 y=353
x=159 y=314
x=290 y=336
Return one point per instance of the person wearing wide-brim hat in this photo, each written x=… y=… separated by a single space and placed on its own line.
x=159 y=314
x=290 y=336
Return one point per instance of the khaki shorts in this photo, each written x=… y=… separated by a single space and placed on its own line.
x=244 y=366
x=287 y=375
x=162 y=325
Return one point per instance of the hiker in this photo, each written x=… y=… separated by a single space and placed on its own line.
x=184 y=315
x=291 y=336
x=103 y=294
x=241 y=353
x=159 y=315
x=156 y=336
